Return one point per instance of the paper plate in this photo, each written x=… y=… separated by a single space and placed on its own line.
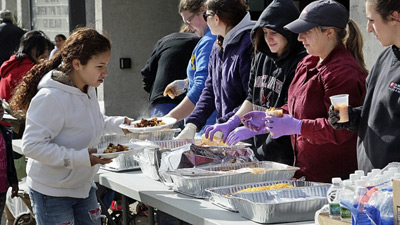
x=169 y=122
x=132 y=149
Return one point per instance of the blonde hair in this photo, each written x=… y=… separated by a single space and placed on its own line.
x=352 y=39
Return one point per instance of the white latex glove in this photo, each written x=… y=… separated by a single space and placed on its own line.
x=176 y=88
x=188 y=132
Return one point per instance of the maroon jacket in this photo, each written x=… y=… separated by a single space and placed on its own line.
x=320 y=151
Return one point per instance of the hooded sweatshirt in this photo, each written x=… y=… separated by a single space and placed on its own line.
x=271 y=75
x=12 y=72
x=62 y=122
x=228 y=76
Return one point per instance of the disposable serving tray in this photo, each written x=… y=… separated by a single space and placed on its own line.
x=194 y=182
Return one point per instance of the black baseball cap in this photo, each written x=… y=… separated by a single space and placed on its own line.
x=320 y=13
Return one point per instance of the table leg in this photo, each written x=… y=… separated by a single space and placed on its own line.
x=151 y=215
x=125 y=210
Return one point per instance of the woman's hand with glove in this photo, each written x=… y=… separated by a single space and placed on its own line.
x=333 y=119
x=281 y=126
x=242 y=133
x=254 y=120
x=188 y=132
x=225 y=128
x=176 y=88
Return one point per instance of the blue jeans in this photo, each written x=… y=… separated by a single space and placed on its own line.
x=51 y=210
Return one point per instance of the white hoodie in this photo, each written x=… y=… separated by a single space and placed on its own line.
x=62 y=123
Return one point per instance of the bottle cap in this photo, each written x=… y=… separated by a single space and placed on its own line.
x=336 y=180
x=360 y=172
x=354 y=177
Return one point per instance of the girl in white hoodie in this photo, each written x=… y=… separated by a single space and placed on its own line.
x=63 y=127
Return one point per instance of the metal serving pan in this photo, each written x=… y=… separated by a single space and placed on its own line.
x=149 y=158
x=223 y=196
x=281 y=205
x=193 y=182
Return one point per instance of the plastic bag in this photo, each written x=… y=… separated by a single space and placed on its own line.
x=380 y=207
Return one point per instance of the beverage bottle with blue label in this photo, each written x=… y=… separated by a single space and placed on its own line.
x=333 y=198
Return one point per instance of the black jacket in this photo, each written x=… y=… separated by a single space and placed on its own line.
x=10 y=36
x=168 y=62
x=11 y=172
x=271 y=75
x=379 y=117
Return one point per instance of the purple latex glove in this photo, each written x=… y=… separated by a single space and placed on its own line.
x=254 y=120
x=225 y=128
x=280 y=126
x=241 y=133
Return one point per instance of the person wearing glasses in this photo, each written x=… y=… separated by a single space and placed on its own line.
x=277 y=54
x=229 y=68
x=191 y=12
x=335 y=65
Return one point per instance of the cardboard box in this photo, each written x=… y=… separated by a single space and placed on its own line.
x=396 y=201
x=324 y=219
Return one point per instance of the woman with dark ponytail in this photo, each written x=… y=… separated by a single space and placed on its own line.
x=377 y=120
x=63 y=127
x=333 y=66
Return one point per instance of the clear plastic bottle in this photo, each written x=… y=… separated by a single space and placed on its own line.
x=333 y=198
x=346 y=198
x=359 y=202
x=359 y=172
x=353 y=178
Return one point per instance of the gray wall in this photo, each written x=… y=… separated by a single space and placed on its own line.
x=134 y=27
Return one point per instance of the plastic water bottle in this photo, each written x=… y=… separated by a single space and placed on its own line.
x=346 y=197
x=333 y=198
x=353 y=178
x=359 y=202
x=359 y=172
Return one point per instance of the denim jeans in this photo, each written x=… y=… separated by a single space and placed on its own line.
x=51 y=210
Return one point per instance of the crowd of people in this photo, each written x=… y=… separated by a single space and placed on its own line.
x=219 y=75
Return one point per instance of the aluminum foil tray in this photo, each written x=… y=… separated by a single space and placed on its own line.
x=223 y=196
x=149 y=158
x=281 y=205
x=122 y=162
x=149 y=170
x=159 y=135
x=193 y=182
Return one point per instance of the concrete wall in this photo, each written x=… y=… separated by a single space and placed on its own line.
x=134 y=27
x=372 y=47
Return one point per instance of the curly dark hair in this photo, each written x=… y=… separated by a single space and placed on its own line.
x=82 y=44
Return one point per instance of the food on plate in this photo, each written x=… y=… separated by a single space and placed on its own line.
x=217 y=141
x=264 y=188
x=149 y=123
x=274 y=112
x=115 y=148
